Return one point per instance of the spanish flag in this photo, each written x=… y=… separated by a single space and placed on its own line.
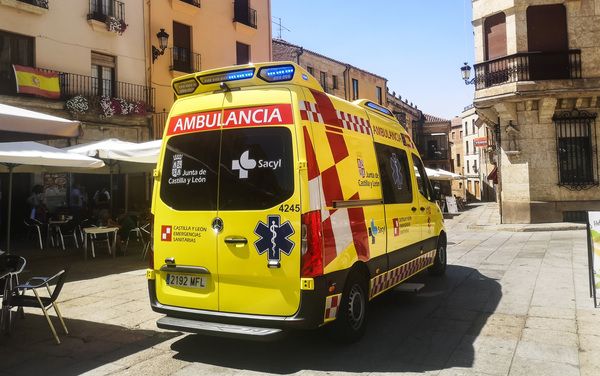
x=37 y=82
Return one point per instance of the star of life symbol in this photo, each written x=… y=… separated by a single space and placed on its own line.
x=274 y=239
x=396 y=175
x=177 y=165
x=243 y=164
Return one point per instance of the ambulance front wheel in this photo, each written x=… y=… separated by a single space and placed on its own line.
x=439 y=263
x=351 y=320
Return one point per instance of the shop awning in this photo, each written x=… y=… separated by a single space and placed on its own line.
x=19 y=124
x=493 y=176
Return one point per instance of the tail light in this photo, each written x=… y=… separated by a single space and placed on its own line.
x=151 y=240
x=311 y=245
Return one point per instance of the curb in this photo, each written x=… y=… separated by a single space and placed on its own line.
x=540 y=227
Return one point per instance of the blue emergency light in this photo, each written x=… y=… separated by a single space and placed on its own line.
x=227 y=76
x=379 y=108
x=277 y=73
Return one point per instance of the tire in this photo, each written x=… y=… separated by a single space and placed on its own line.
x=351 y=321
x=441 y=258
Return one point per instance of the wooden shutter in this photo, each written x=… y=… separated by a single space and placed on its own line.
x=547 y=34
x=495 y=36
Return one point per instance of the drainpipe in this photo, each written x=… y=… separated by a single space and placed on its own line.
x=346 y=79
x=298 y=53
x=499 y=177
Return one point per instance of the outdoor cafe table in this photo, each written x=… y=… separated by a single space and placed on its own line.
x=54 y=228
x=91 y=231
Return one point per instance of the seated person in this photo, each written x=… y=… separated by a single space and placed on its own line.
x=124 y=222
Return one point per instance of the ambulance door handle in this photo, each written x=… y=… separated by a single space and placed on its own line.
x=236 y=240
x=413 y=209
x=422 y=208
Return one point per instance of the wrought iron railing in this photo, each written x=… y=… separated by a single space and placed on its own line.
x=72 y=84
x=435 y=155
x=101 y=10
x=528 y=66
x=195 y=3
x=37 y=3
x=184 y=60
x=576 y=149
x=159 y=120
x=244 y=15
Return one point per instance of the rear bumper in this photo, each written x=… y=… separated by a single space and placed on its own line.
x=310 y=314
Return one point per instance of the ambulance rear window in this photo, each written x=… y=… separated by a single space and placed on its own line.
x=189 y=174
x=256 y=169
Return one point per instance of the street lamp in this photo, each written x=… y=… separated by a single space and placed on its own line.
x=163 y=37
x=465 y=70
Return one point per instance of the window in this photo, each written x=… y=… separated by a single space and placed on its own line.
x=324 y=81
x=14 y=49
x=311 y=70
x=335 y=81
x=103 y=74
x=182 y=48
x=379 y=93
x=242 y=53
x=354 y=89
x=457 y=160
x=473 y=125
x=395 y=176
x=197 y=155
x=468 y=168
x=422 y=179
x=495 y=36
x=575 y=139
x=467 y=145
x=475 y=166
x=466 y=129
x=547 y=32
x=453 y=134
x=461 y=134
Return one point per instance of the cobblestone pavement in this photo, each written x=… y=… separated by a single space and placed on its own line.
x=512 y=303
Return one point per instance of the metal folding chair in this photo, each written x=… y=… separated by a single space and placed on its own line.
x=20 y=298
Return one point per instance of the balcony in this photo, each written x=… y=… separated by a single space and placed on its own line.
x=195 y=3
x=245 y=15
x=436 y=154
x=30 y=6
x=528 y=66
x=37 y=3
x=184 y=60
x=72 y=84
x=105 y=10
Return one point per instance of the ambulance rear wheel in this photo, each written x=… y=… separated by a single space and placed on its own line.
x=439 y=263
x=351 y=320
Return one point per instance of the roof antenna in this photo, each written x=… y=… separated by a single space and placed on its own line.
x=280 y=26
x=224 y=87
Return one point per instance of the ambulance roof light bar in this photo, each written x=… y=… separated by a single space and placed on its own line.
x=235 y=75
x=379 y=108
x=277 y=73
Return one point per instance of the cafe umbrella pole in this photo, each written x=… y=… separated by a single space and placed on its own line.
x=10 y=167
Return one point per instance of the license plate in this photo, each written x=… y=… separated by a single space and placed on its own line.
x=186 y=280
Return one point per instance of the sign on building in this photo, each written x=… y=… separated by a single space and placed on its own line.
x=594 y=254
x=480 y=142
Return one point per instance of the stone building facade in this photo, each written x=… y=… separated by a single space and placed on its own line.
x=458 y=156
x=336 y=77
x=478 y=158
x=244 y=35
x=408 y=115
x=537 y=85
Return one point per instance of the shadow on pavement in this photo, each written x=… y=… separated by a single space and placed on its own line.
x=30 y=349
x=431 y=330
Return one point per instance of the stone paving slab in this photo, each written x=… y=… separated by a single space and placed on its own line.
x=512 y=303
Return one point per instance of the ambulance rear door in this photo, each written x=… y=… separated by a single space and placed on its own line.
x=185 y=242
x=259 y=203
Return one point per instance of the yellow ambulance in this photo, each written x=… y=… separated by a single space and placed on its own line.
x=279 y=207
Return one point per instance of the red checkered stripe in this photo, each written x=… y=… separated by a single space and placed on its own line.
x=309 y=111
x=354 y=123
x=332 y=303
x=391 y=278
